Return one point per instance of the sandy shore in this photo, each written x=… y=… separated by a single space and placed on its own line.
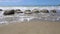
x=34 y=27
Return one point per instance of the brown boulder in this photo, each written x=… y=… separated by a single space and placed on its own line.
x=9 y=12
x=35 y=11
x=18 y=11
x=27 y=12
x=44 y=11
x=1 y=10
x=53 y=11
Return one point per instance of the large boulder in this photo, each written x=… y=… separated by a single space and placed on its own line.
x=18 y=11
x=27 y=12
x=9 y=12
x=1 y=10
x=53 y=11
x=35 y=11
x=44 y=11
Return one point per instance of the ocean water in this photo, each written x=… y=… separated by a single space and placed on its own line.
x=21 y=17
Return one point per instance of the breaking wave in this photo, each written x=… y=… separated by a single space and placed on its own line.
x=25 y=17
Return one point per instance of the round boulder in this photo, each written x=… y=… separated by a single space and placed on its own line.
x=9 y=12
x=35 y=11
x=44 y=11
x=1 y=10
x=53 y=11
x=27 y=12
x=18 y=11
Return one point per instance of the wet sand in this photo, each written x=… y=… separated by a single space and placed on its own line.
x=32 y=27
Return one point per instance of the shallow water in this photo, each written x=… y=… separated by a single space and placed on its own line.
x=28 y=17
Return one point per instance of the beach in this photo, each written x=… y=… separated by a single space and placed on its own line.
x=35 y=23
x=32 y=27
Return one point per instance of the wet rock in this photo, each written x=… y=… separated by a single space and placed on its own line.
x=9 y=12
x=18 y=11
x=1 y=10
x=53 y=11
x=35 y=11
x=27 y=12
x=44 y=11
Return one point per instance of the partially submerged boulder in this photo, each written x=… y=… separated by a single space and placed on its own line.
x=27 y=12
x=53 y=11
x=35 y=11
x=9 y=12
x=18 y=11
x=1 y=10
x=44 y=11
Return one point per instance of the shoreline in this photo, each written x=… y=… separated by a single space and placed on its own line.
x=37 y=27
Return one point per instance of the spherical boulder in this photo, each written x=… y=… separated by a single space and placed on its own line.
x=27 y=12
x=35 y=11
x=9 y=12
x=1 y=10
x=44 y=11
x=18 y=11
x=53 y=11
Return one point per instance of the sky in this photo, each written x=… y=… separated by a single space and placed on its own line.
x=28 y=2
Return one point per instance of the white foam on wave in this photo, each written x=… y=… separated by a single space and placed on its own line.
x=24 y=18
x=24 y=8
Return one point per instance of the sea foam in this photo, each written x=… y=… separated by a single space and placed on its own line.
x=23 y=17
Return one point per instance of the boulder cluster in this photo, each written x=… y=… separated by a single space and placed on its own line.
x=12 y=12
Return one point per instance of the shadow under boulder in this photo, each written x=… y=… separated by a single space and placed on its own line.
x=9 y=12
